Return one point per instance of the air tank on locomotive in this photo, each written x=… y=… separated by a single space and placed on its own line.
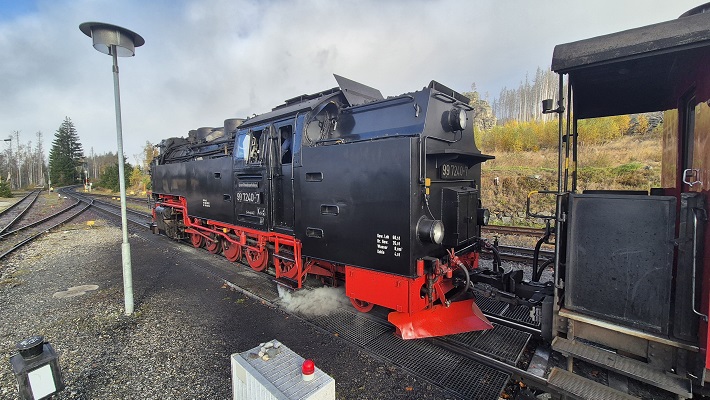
x=199 y=169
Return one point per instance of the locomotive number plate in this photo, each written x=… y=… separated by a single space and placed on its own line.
x=453 y=171
x=249 y=197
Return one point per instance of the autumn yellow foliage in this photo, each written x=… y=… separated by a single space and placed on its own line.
x=537 y=135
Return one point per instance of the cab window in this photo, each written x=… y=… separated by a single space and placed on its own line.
x=243 y=145
x=249 y=146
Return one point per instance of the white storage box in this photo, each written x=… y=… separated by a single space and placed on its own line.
x=277 y=378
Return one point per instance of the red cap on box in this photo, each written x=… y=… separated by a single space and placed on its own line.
x=308 y=369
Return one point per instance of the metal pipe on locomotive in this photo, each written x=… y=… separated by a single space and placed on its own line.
x=381 y=194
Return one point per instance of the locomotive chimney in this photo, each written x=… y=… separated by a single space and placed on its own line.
x=231 y=124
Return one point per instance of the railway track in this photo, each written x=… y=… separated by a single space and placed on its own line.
x=132 y=199
x=514 y=230
x=114 y=209
x=14 y=213
x=13 y=240
x=522 y=254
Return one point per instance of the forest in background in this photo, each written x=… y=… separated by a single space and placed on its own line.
x=24 y=165
x=620 y=152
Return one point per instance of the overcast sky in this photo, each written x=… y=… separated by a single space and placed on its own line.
x=206 y=61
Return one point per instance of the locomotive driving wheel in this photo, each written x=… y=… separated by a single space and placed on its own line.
x=360 y=305
x=197 y=240
x=231 y=251
x=288 y=268
x=213 y=244
x=257 y=259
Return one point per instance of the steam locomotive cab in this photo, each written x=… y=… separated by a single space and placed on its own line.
x=381 y=194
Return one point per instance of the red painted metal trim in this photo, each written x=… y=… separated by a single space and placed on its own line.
x=459 y=317
x=237 y=235
x=395 y=292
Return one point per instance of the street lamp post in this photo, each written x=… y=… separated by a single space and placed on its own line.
x=9 y=161
x=18 y=160
x=118 y=42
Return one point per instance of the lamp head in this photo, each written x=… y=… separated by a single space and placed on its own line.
x=106 y=35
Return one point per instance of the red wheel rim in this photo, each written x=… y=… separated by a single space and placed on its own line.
x=360 y=305
x=288 y=268
x=256 y=259
x=231 y=251
x=197 y=240
x=213 y=245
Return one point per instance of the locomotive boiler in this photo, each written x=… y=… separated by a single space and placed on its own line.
x=381 y=194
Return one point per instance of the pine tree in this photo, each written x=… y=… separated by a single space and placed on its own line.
x=66 y=156
x=110 y=180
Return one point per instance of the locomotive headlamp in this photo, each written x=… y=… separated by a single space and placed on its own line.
x=483 y=216
x=430 y=230
x=457 y=119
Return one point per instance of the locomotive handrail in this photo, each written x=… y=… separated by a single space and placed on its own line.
x=377 y=105
x=527 y=205
x=689 y=174
x=449 y=99
x=695 y=260
x=331 y=141
x=423 y=153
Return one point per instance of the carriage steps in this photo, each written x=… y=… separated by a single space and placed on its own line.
x=577 y=387
x=623 y=365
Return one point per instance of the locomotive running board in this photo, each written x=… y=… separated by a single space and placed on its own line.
x=458 y=317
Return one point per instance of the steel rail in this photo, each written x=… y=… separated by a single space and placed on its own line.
x=520 y=254
x=137 y=217
x=128 y=198
x=11 y=213
x=514 y=230
x=30 y=232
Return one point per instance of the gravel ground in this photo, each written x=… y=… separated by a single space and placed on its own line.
x=186 y=325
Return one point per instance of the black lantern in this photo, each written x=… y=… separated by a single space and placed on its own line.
x=36 y=369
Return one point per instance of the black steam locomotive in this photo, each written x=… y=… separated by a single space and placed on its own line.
x=379 y=193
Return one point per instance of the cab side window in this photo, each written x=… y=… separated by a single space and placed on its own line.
x=249 y=146
x=286 y=140
x=243 y=146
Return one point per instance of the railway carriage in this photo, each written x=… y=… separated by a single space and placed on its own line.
x=633 y=268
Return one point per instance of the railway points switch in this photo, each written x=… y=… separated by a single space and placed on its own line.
x=278 y=377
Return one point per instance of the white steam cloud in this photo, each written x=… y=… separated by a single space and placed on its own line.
x=314 y=302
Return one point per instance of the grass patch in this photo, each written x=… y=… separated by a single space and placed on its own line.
x=628 y=163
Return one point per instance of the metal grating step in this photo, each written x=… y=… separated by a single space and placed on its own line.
x=519 y=314
x=476 y=381
x=417 y=356
x=466 y=377
x=357 y=328
x=502 y=343
x=623 y=365
x=490 y=306
x=581 y=388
